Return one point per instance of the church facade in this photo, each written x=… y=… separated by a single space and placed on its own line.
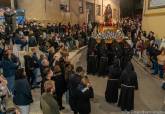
x=73 y=11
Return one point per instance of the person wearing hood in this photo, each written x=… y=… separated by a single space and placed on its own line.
x=129 y=83
x=92 y=62
x=111 y=93
x=92 y=57
x=118 y=50
x=102 y=58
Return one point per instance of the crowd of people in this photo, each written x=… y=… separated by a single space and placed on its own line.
x=36 y=56
x=147 y=48
x=113 y=60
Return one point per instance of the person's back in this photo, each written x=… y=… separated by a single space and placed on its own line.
x=32 y=41
x=129 y=83
x=129 y=77
x=22 y=92
x=49 y=104
x=74 y=81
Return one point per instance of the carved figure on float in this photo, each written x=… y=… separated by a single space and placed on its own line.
x=108 y=15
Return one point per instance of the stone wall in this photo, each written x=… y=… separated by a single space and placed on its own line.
x=49 y=10
x=79 y=56
x=153 y=20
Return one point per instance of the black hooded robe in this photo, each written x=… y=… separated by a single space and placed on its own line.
x=112 y=89
x=92 y=64
x=129 y=83
x=102 y=60
x=92 y=57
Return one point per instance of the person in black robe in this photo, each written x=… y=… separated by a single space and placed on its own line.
x=118 y=51
x=92 y=57
x=92 y=61
x=84 y=93
x=102 y=59
x=129 y=83
x=92 y=64
x=110 y=54
x=111 y=93
x=128 y=53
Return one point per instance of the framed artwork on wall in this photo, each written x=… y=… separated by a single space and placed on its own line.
x=81 y=6
x=156 y=4
x=65 y=5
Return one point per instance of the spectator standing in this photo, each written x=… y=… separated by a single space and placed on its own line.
x=140 y=48
x=49 y=75
x=22 y=92
x=9 y=65
x=60 y=85
x=73 y=83
x=36 y=68
x=161 y=63
x=83 y=95
x=48 y=103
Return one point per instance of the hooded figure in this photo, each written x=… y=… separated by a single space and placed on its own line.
x=129 y=83
x=92 y=61
x=118 y=51
x=111 y=93
x=92 y=57
x=102 y=58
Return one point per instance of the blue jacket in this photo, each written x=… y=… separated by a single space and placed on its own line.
x=17 y=40
x=22 y=93
x=9 y=67
x=32 y=42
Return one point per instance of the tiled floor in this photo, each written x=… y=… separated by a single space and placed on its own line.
x=149 y=97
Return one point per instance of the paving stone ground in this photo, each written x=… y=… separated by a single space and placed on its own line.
x=149 y=97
